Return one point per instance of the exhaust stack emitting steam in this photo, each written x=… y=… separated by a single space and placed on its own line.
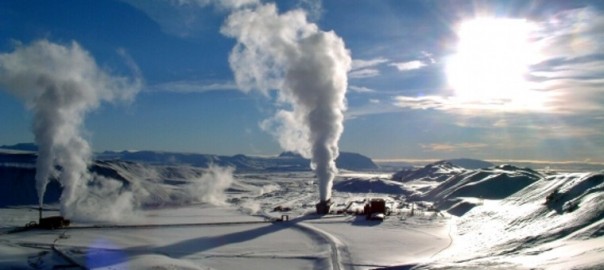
x=309 y=69
x=60 y=84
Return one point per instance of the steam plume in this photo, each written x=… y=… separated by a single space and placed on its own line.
x=60 y=84
x=211 y=186
x=308 y=67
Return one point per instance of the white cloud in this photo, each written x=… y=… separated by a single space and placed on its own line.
x=186 y=18
x=572 y=66
x=313 y=8
x=363 y=73
x=448 y=104
x=361 y=64
x=366 y=68
x=428 y=56
x=192 y=87
x=225 y=4
x=360 y=89
x=411 y=65
x=453 y=147
x=567 y=80
x=372 y=107
x=462 y=106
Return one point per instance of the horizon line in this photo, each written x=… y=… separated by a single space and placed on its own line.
x=500 y=161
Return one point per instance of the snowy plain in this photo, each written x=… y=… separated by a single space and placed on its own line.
x=444 y=217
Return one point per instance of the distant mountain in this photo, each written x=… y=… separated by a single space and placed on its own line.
x=470 y=163
x=354 y=161
x=31 y=147
x=287 y=161
x=154 y=169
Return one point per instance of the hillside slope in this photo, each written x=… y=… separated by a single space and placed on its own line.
x=555 y=223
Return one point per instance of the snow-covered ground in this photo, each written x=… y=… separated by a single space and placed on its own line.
x=499 y=217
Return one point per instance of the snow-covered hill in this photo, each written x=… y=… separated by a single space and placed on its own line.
x=458 y=190
x=557 y=222
x=438 y=172
x=515 y=218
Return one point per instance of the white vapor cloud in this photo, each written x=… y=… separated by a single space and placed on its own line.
x=313 y=8
x=462 y=106
x=184 y=18
x=225 y=4
x=411 y=65
x=192 y=87
x=211 y=186
x=453 y=147
x=364 y=73
x=361 y=64
x=309 y=69
x=60 y=84
x=360 y=89
x=292 y=136
x=366 y=68
x=565 y=78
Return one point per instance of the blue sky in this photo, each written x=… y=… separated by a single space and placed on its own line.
x=414 y=91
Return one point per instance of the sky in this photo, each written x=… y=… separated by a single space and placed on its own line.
x=494 y=80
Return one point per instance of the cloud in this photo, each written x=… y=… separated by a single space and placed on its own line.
x=186 y=18
x=192 y=87
x=372 y=107
x=453 y=147
x=366 y=68
x=292 y=136
x=363 y=73
x=211 y=186
x=314 y=8
x=360 y=89
x=224 y=4
x=572 y=63
x=565 y=78
x=458 y=105
x=411 y=65
x=361 y=64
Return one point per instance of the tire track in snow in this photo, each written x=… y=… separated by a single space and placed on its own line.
x=333 y=242
x=451 y=224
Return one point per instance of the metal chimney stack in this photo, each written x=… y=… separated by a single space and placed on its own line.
x=323 y=207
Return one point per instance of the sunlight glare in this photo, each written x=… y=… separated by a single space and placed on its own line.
x=492 y=60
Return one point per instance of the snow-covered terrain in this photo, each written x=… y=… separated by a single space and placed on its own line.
x=441 y=217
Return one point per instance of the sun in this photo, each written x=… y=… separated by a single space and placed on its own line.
x=492 y=60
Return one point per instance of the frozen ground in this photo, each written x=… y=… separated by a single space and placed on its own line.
x=496 y=218
x=239 y=235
